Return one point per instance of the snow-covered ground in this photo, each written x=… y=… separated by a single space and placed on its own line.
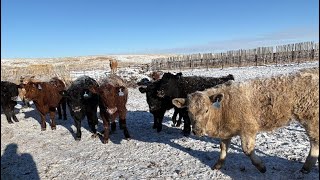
x=29 y=153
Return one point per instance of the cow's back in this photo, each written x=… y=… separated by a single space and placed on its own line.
x=274 y=101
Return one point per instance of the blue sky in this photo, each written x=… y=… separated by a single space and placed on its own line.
x=60 y=28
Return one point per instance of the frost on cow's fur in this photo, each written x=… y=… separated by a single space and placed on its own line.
x=258 y=105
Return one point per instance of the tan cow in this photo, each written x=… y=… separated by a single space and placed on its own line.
x=247 y=108
x=113 y=65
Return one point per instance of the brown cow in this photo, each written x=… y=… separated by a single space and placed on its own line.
x=47 y=98
x=156 y=75
x=114 y=95
x=247 y=108
x=113 y=65
x=22 y=92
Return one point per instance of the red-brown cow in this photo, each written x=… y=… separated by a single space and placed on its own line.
x=46 y=97
x=114 y=95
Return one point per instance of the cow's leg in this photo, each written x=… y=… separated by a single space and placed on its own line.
x=28 y=103
x=159 y=121
x=155 y=122
x=77 y=123
x=174 y=117
x=14 y=116
x=8 y=116
x=187 y=122
x=313 y=133
x=123 y=123
x=224 y=145
x=106 y=123
x=179 y=121
x=92 y=121
x=43 y=121
x=248 y=143
x=113 y=122
x=52 y=118
x=59 y=110
x=64 y=108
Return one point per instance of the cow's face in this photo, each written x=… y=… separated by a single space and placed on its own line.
x=75 y=99
x=32 y=90
x=9 y=90
x=110 y=96
x=200 y=109
x=153 y=100
x=169 y=85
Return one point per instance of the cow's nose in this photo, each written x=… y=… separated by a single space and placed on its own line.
x=160 y=93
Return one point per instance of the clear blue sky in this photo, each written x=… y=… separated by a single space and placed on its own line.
x=60 y=28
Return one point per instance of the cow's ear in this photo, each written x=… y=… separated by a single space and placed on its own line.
x=216 y=100
x=143 y=89
x=179 y=102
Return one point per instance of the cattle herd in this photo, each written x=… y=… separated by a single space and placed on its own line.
x=212 y=106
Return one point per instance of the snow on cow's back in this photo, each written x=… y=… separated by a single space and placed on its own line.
x=83 y=82
x=113 y=80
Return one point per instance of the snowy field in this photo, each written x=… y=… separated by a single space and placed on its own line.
x=29 y=153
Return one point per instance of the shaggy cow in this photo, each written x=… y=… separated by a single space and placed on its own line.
x=113 y=65
x=247 y=108
x=46 y=98
x=9 y=94
x=113 y=94
x=177 y=86
x=82 y=103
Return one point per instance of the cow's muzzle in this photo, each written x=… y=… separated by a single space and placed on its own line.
x=112 y=110
x=160 y=93
x=14 y=98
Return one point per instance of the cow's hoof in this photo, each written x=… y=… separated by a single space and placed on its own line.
x=127 y=136
x=78 y=138
x=43 y=129
x=105 y=141
x=216 y=166
x=54 y=128
x=263 y=169
x=304 y=171
x=186 y=133
x=10 y=122
x=94 y=135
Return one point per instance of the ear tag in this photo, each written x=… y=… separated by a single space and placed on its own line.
x=85 y=95
x=39 y=86
x=121 y=93
x=216 y=104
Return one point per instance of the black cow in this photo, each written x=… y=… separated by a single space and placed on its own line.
x=82 y=102
x=158 y=106
x=177 y=86
x=9 y=95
